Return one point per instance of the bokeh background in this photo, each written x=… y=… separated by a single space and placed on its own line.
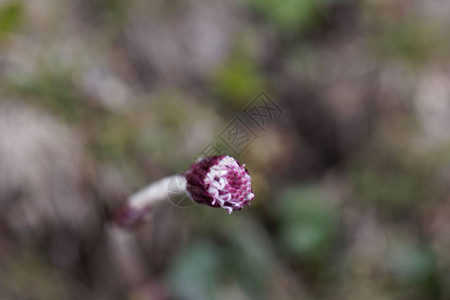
x=100 y=97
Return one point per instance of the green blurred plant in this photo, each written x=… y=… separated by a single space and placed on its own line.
x=116 y=137
x=11 y=16
x=238 y=81
x=194 y=274
x=392 y=181
x=30 y=276
x=55 y=91
x=415 y=41
x=288 y=16
x=237 y=252
x=410 y=263
x=308 y=224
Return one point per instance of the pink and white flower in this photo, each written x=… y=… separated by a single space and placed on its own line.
x=220 y=181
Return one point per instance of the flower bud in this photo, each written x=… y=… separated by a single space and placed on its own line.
x=220 y=181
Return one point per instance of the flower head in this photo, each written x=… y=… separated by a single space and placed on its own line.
x=220 y=181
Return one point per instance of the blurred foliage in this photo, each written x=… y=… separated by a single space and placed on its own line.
x=238 y=80
x=11 y=15
x=309 y=224
x=239 y=255
x=116 y=138
x=29 y=276
x=410 y=263
x=196 y=272
x=289 y=16
x=415 y=41
x=54 y=91
x=392 y=187
x=393 y=179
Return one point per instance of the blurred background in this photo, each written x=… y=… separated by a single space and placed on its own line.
x=100 y=97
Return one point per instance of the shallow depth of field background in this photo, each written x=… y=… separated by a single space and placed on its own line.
x=100 y=97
